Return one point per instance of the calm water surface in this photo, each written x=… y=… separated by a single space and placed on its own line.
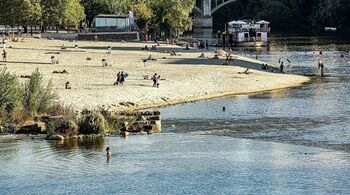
x=296 y=141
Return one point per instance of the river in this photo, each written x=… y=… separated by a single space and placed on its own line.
x=292 y=141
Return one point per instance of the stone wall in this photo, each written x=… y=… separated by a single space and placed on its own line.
x=140 y=122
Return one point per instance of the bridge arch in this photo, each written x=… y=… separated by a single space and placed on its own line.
x=217 y=6
x=197 y=12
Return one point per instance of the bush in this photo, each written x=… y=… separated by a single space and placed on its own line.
x=62 y=126
x=62 y=110
x=92 y=122
x=37 y=98
x=10 y=95
x=114 y=124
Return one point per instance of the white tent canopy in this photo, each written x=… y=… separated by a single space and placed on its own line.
x=239 y=22
x=263 y=22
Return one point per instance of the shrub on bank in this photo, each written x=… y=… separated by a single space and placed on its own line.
x=38 y=98
x=64 y=126
x=10 y=96
x=17 y=103
x=113 y=122
x=92 y=122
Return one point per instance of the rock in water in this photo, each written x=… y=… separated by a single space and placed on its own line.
x=55 y=137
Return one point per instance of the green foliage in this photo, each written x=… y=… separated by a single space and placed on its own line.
x=10 y=89
x=63 y=126
x=10 y=97
x=37 y=98
x=113 y=122
x=92 y=122
x=143 y=14
x=73 y=13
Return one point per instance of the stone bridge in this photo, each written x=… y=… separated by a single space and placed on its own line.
x=202 y=16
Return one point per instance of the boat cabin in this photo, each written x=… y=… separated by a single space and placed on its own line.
x=249 y=33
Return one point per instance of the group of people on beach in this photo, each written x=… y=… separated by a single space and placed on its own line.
x=120 y=78
x=156 y=80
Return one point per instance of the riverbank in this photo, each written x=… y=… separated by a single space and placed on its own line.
x=185 y=77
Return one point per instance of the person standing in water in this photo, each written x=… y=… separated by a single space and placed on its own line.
x=108 y=153
x=321 y=66
x=281 y=67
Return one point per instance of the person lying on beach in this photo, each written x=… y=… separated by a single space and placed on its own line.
x=61 y=72
x=216 y=57
x=150 y=58
x=145 y=48
x=63 y=47
x=67 y=85
x=246 y=72
x=25 y=76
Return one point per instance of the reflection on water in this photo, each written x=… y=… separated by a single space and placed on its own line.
x=316 y=114
x=171 y=164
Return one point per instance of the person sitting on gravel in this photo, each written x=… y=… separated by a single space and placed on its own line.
x=173 y=53
x=61 y=72
x=150 y=58
x=202 y=56
x=245 y=72
x=154 y=47
x=67 y=85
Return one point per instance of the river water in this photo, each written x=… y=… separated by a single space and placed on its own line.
x=293 y=141
x=316 y=114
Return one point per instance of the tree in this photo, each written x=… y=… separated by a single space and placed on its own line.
x=31 y=14
x=73 y=13
x=52 y=13
x=143 y=15
x=171 y=15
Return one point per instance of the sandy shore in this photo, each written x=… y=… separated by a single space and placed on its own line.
x=187 y=78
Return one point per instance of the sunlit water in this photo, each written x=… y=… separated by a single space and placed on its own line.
x=201 y=150
x=316 y=114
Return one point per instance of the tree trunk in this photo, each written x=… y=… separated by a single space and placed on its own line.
x=31 y=30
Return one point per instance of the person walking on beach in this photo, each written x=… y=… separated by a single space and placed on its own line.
x=4 y=56
x=154 y=79
x=122 y=78
x=118 y=79
x=158 y=81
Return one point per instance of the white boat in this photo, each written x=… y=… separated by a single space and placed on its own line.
x=249 y=34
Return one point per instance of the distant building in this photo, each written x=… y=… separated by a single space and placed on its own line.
x=111 y=23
